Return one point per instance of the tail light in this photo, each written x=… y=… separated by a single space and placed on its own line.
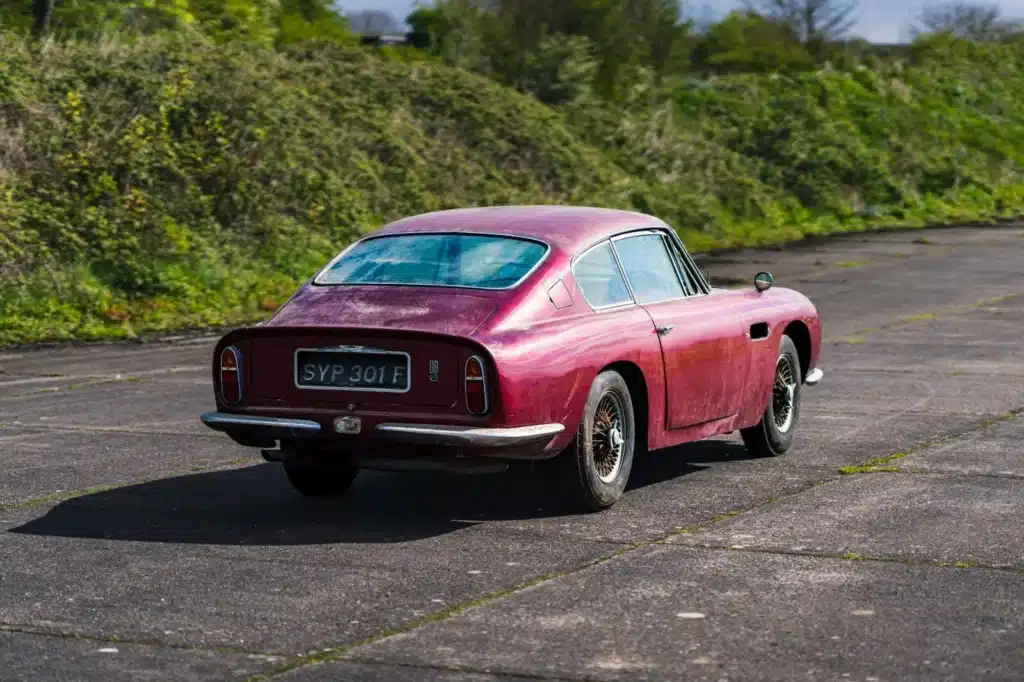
x=231 y=375
x=476 y=386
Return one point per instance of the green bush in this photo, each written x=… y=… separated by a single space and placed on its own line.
x=172 y=183
x=168 y=182
x=748 y=159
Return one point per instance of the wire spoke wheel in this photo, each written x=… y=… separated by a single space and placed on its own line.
x=608 y=437
x=773 y=434
x=784 y=394
x=595 y=468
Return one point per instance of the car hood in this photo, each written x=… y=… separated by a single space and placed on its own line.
x=427 y=310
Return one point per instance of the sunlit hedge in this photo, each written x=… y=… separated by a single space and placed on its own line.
x=160 y=183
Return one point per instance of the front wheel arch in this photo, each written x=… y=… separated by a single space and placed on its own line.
x=766 y=438
x=800 y=335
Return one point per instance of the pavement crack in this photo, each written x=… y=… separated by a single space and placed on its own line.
x=854 y=556
x=82 y=428
x=860 y=336
x=342 y=652
x=465 y=669
x=20 y=629
x=954 y=475
x=878 y=464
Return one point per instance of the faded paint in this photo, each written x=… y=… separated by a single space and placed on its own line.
x=706 y=377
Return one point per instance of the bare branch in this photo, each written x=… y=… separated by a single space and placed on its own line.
x=982 y=22
x=811 y=20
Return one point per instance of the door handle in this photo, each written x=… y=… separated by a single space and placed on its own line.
x=665 y=329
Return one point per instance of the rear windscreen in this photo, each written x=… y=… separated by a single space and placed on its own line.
x=454 y=260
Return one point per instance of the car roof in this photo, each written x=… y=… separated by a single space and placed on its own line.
x=568 y=228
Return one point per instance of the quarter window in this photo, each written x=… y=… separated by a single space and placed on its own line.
x=649 y=268
x=600 y=279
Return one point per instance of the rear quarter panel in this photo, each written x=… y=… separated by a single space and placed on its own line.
x=548 y=346
x=545 y=373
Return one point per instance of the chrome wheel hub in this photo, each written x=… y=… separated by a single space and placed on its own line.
x=608 y=438
x=784 y=395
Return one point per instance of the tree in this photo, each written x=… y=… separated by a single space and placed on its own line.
x=980 y=22
x=300 y=20
x=454 y=30
x=42 y=10
x=506 y=38
x=815 y=22
x=747 y=43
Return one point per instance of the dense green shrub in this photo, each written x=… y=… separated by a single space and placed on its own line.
x=168 y=182
x=744 y=158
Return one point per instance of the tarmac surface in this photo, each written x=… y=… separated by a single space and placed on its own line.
x=886 y=545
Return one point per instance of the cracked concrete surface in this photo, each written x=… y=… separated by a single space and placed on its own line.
x=134 y=544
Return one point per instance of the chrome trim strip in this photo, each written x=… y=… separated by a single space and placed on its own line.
x=316 y=278
x=814 y=376
x=691 y=265
x=468 y=435
x=352 y=349
x=220 y=421
x=635 y=232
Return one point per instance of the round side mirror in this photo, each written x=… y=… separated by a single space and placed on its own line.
x=763 y=281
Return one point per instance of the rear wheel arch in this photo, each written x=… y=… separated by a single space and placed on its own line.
x=801 y=336
x=637 y=384
x=594 y=470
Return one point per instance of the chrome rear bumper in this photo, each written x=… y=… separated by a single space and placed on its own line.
x=814 y=376
x=468 y=436
x=273 y=427
x=420 y=434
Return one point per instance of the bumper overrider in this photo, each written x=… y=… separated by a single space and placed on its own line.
x=273 y=428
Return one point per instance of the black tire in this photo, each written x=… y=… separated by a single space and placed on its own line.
x=596 y=481
x=320 y=481
x=772 y=437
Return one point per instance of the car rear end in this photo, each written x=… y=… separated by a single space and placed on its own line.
x=364 y=394
x=375 y=358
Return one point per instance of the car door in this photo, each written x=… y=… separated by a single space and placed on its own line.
x=702 y=342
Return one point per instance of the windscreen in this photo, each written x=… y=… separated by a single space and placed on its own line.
x=454 y=260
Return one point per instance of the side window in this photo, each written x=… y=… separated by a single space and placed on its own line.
x=600 y=279
x=650 y=268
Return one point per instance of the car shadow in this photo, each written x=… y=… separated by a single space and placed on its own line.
x=256 y=506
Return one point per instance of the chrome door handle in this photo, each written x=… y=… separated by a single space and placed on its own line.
x=665 y=329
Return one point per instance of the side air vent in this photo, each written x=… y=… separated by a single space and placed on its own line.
x=759 y=330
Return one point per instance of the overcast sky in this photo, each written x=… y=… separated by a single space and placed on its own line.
x=879 y=20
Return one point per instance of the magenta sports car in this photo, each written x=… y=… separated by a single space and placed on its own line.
x=470 y=339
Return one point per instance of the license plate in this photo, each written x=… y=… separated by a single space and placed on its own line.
x=352 y=369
